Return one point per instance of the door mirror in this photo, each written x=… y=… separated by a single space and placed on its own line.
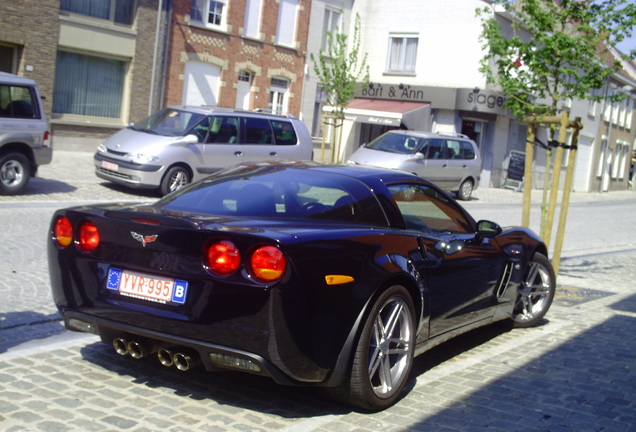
x=416 y=156
x=188 y=139
x=488 y=229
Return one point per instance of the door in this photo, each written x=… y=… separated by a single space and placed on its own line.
x=460 y=273
x=201 y=84
x=243 y=90
x=434 y=166
x=222 y=147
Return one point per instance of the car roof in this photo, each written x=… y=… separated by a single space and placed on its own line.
x=208 y=109
x=15 y=79
x=423 y=134
x=369 y=175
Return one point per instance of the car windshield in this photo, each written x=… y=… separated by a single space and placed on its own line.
x=397 y=143
x=270 y=191
x=169 y=122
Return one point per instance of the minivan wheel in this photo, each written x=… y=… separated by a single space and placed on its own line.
x=14 y=173
x=465 y=190
x=176 y=178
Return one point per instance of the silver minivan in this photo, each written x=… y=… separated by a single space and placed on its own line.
x=25 y=140
x=181 y=144
x=451 y=162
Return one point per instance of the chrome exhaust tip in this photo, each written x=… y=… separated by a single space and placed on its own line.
x=165 y=357
x=121 y=346
x=184 y=362
x=140 y=349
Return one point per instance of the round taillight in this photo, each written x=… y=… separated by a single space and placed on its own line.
x=223 y=258
x=63 y=232
x=268 y=263
x=88 y=237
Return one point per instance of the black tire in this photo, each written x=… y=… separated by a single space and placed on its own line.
x=15 y=171
x=535 y=293
x=465 y=190
x=380 y=368
x=176 y=178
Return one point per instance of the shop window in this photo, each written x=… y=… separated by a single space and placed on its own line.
x=88 y=86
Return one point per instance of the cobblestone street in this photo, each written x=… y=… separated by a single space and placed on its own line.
x=573 y=373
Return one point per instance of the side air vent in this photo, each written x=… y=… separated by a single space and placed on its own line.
x=504 y=280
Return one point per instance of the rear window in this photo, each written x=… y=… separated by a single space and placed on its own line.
x=279 y=193
x=18 y=102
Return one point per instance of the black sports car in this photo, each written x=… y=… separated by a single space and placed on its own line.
x=310 y=274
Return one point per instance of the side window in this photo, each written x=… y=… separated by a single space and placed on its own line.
x=425 y=209
x=224 y=130
x=469 y=151
x=257 y=131
x=454 y=149
x=284 y=133
x=436 y=149
x=17 y=102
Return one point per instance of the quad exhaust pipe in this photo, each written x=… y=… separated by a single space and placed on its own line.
x=136 y=349
x=183 y=359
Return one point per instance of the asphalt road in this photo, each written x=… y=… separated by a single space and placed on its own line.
x=574 y=373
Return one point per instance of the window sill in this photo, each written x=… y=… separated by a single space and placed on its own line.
x=86 y=121
x=400 y=73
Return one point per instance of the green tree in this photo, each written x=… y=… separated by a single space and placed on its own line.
x=556 y=50
x=339 y=69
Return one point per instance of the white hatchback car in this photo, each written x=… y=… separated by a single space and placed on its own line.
x=451 y=162
x=181 y=144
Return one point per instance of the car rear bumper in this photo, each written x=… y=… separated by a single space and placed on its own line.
x=211 y=356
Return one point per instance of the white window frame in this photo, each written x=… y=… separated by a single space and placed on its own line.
x=207 y=7
x=252 y=24
x=332 y=24
x=397 y=60
x=287 y=23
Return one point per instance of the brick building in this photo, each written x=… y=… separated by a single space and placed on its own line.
x=98 y=64
x=245 y=53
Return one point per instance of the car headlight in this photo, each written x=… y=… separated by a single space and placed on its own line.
x=350 y=162
x=140 y=158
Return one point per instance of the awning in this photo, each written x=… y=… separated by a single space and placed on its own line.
x=414 y=115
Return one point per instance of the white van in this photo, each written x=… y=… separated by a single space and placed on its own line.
x=181 y=144
x=25 y=140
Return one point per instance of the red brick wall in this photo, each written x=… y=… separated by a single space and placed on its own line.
x=233 y=49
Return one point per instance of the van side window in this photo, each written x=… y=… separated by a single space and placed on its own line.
x=436 y=149
x=224 y=130
x=454 y=149
x=257 y=131
x=17 y=102
x=469 y=151
x=284 y=132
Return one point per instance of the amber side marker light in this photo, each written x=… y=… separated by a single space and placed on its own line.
x=88 y=237
x=63 y=232
x=338 y=279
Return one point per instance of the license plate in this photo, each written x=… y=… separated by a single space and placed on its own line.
x=147 y=287
x=109 y=166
